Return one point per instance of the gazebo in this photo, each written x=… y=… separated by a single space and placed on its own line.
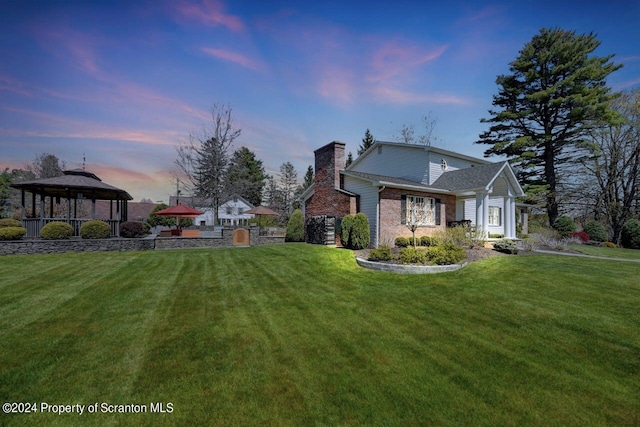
x=75 y=185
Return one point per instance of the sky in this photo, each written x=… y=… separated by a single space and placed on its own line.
x=118 y=85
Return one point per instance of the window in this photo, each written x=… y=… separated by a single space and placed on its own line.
x=240 y=211
x=229 y=210
x=495 y=215
x=420 y=211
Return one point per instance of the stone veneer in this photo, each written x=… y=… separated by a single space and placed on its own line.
x=27 y=247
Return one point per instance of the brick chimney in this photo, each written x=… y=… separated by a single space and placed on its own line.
x=330 y=160
x=328 y=198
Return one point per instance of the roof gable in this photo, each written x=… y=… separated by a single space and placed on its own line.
x=477 y=178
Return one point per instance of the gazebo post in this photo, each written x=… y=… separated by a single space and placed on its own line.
x=33 y=204
x=24 y=209
x=68 y=204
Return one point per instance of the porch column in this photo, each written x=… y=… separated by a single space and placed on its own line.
x=508 y=220
x=512 y=217
x=482 y=212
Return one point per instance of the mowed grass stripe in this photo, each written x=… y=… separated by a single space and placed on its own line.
x=297 y=335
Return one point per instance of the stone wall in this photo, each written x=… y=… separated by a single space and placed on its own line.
x=29 y=247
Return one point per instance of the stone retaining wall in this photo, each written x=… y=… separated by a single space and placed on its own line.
x=408 y=269
x=30 y=247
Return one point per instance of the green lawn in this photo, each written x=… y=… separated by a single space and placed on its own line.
x=607 y=252
x=299 y=335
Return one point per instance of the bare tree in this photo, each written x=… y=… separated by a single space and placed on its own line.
x=46 y=165
x=407 y=133
x=203 y=160
x=614 y=163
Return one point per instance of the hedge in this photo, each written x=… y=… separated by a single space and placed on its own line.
x=95 y=229
x=565 y=226
x=132 y=229
x=295 y=227
x=9 y=222
x=596 y=231
x=56 y=230
x=12 y=233
x=630 y=238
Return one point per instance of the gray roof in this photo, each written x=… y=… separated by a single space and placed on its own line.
x=471 y=178
x=72 y=184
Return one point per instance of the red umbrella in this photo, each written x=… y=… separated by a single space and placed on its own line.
x=180 y=211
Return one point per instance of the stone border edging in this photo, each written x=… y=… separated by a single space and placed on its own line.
x=408 y=269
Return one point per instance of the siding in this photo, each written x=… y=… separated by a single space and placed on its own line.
x=401 y=162
x=368 y=202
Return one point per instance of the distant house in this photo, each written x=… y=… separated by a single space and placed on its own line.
x=398 y=184
x=230 y=213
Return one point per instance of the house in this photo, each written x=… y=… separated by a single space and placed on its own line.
x=396 y=185
x=230 y=213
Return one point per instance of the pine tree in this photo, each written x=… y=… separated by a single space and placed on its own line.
x=367 y=142
x=245 y=176
x=545 y=107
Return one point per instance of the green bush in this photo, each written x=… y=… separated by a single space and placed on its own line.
x=506 y=246
x=346 y=225
x=631 y=234
x=402 y=242
x=355 y=231
x=564 y=226
x=383 y=253
x=95 y=229
x=446 y=254
x=428 y=241
x=132 y=229
x=56 y=230
x=9 y=222
x=360 y=233
x=596 y=231
x=295 y=227
x=411 y=255
x=609 y=245
x=12 y=233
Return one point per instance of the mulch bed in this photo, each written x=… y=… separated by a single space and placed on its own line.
x=474 y=254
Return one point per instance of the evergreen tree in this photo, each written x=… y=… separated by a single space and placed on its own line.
x=245 y=176
x=308 y=178
x=367 y=142
x=287 y=187
x=544 y=108
x=349 y=159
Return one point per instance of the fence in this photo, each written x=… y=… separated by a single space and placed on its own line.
x=34 y=225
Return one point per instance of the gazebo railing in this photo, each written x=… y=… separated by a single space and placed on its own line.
x=34 y=225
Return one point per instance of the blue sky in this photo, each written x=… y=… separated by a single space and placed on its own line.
x=124 y=82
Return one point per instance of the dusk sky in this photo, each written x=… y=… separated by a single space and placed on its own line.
x=124 y=82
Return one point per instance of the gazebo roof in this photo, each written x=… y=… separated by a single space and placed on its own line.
x=75 y=184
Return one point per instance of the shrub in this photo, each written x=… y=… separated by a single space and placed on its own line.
x=583 y=236
x=506 y=246
x=345 y=230
x=631 y=234
x=9 y=222
x=383 y=253
x=56 y=230
x=411 y=255
x=564 y=226
x=12 y=233
x=360 y=234
x=355 y=231
x=428 y=241
x=402 y=242
x=469 y=237
x=95 y=229
x=447 y=254
x=295 y=227
x=132 y=229
x=609 y=245
x=596 y=231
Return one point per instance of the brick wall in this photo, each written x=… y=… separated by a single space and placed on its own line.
x=391 y=214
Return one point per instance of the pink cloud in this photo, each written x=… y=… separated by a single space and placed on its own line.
x=211 y=13
x=397 y=96
x=393 y=59
x=235 y=57
x=12 y=85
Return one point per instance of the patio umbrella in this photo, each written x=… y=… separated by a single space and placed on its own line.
x=180 y=211
x=261 y=210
